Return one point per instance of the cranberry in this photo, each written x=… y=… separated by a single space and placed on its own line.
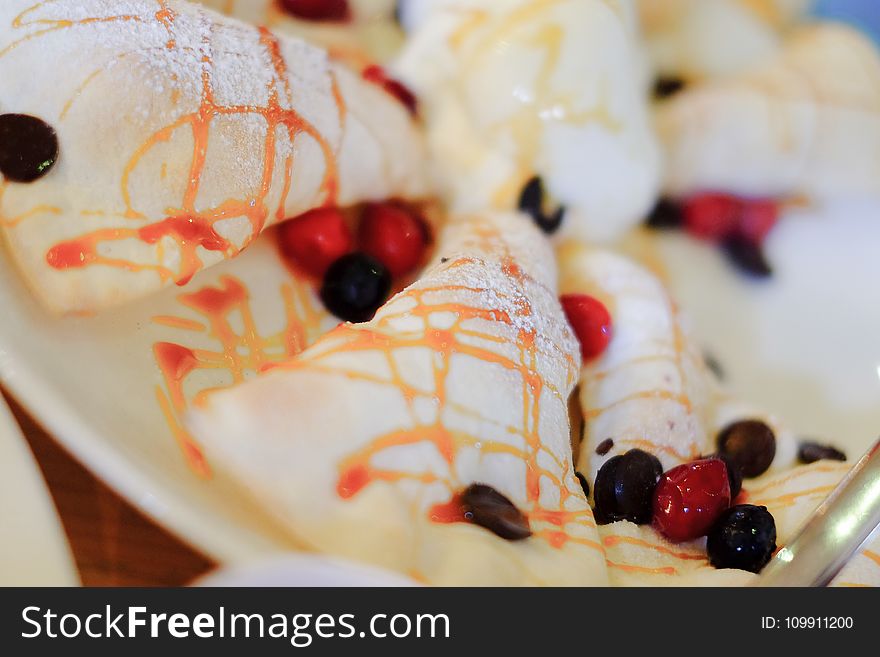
x=711 y=216
x=315 y=240
x=756 y=219
x=689 y=498
x=591 y=322
x=317 y=10
x=393 y=235
x=377 y=75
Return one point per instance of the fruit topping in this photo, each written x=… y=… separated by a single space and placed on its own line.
x=591 y=322
x=743 y=537
x=605 y=446
x=315 y=240
x=585 y=485
x=666 y=86
x=689 y=499
x=393 y=235
x=751 y=444
x=624 y=487
x=486 y=507
x=666 y=214
x=810 y=452
x=747 y=256
x=533 y=202
x=377 y=75
x=28 y=147
x=317 y=10
x=711 y=217
x=757 y=217
x=734 y=474
x=355 y=286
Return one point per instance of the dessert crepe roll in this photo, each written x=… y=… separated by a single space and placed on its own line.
x=181 y=136
x=805 y=124
x=650 y=389
x=358 y=32
x=434 y=439
x=699 y=39
x=540 y=92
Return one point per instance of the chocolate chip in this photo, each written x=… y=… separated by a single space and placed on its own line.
x=443 y=261
x=751 y=444
x=605 y=446
x=584 y=483
x=531 y=202
x=747 y=256
x=810 y=452
x=28 y=147
x=666 y=86
x=486 y=507
x=667 y=214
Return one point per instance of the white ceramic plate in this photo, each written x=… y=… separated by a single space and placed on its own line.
x=33 y=548
x=804 y=345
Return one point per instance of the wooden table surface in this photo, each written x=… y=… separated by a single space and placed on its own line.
x=113 y=543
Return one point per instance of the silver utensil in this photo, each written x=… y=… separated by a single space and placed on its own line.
x=842 y=524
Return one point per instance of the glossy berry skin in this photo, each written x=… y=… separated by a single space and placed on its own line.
x=711 y=217
x=377 y=75
x=757 y=217
x=28 y=148
x=690 y=498
x=744 y=537
x=394 y=236
x=624 y=487
x=591 y=322
x=315 y=240
x=355 y=287
x=749 y=443
x=317 y=10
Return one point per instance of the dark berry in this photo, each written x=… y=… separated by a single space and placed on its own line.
x=486 y=507
x=751 y=444
x=317 y=10
x=756 y=219
x=734 y=474
x=743 y=537
x=355 y=287
x=591 y=322
x=666 y=86
x=810 y=452
x=747 y=256
x=625 y=486
x=532 y=202
x=666 y=214
x=714 y=366
x=393 y=235
x=28 y=147
x=689 y=499
x=585 y=485
x=315 y=240
x=605 y=446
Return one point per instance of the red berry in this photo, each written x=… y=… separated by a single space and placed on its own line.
x=315 y=240
x=317 y=10
x=394 y=236
x=376 y=75
x=711 y=216
x=757 y=218
x=689 y=498
x=591 y=322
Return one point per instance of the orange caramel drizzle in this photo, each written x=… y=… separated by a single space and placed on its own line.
x=188 y=227
x=359 y=470
x=239 y=353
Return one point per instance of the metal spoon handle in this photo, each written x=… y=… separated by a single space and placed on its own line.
x=841 y=525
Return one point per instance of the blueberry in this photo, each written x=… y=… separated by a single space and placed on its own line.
x=743 y=537
x=531 y=202
x=734 y=474
x=751 y=444
x=747 y=256
x=624 y=487
x=585 y=485
x=666 y=86
x=28 y=147
x=666 y=214
x=486 y=507
x=355 y=286
x=810 y=452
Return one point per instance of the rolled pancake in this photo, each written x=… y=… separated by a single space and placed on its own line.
x=361 y=444
x=651 y=390
x=183 y=134
x=804 y=124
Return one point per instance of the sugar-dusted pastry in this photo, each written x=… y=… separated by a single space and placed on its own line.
x=535 y=104
x=433 y=440
x=649 y=390
x=180 y=135
x=698 y=39
x=805 y=124
x=357 y=31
